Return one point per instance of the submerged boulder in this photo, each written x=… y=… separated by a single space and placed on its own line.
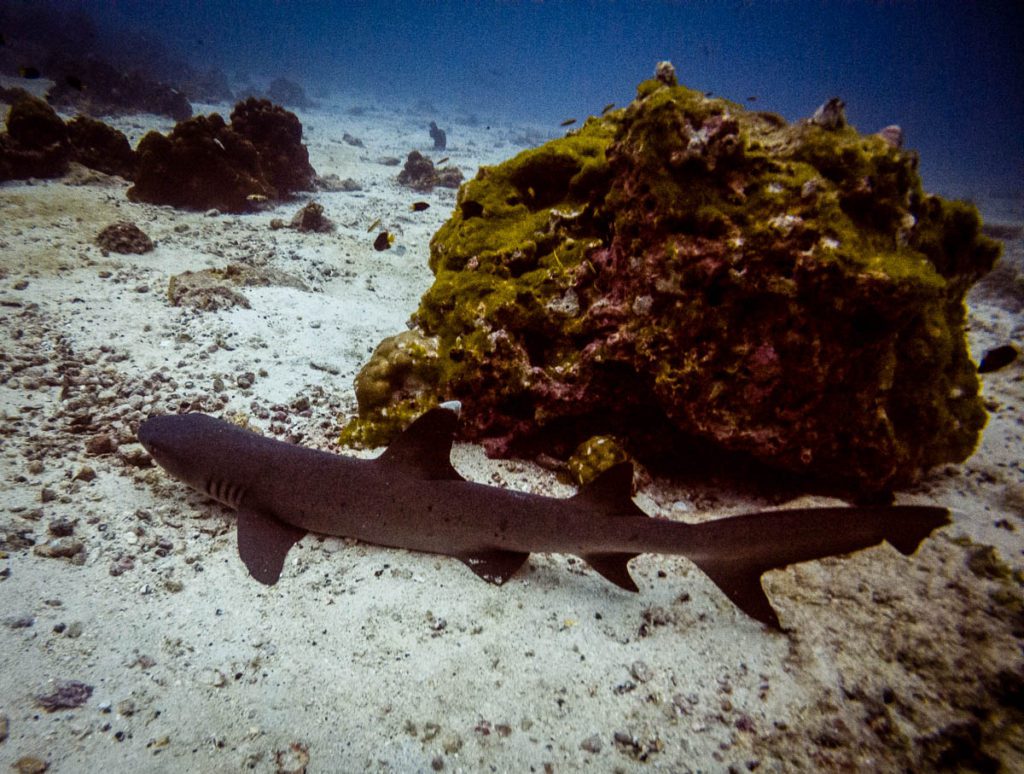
x=207 y=163
x=683 y=267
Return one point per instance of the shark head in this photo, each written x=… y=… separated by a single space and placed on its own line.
x=182 y=444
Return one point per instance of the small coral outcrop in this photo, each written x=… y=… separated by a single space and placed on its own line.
x=685 y=266
x=125 y=238
x=206 y=163
x=420 y=174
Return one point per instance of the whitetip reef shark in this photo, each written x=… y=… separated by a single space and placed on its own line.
x=411 y=497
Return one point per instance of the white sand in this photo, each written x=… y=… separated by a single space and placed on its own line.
x=369 y=659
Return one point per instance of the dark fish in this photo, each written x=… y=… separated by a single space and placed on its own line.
x=373 y=225
x=997 y=358
x=607 y=107
x=751 y=99
x=568 y=122
x=383 y=241
x=442 y=161
x=28 y=72
x=709 y=93
x=73 y=82
x=419 y=206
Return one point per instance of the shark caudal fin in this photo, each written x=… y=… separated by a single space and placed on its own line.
x=610 y=496
x=735 y=552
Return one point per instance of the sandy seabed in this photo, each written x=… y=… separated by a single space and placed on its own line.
x=370 y=659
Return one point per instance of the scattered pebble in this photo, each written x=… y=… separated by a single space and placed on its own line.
x=592 y=744
x=68 y=548
x=67 y=694
x=29 y=764
x=24 y=621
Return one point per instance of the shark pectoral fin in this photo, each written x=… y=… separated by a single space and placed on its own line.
x=263 y=544
x=743 y=586
x=613 y=567
x=494 y=566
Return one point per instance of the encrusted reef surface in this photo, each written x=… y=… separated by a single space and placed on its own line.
x=683 y=267
x=208 y=163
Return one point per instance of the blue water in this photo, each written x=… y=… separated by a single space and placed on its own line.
x=951 y=73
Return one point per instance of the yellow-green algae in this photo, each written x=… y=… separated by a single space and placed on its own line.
x=789 y=291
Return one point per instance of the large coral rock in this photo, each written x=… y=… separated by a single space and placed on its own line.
x=35 y=143
x=206 y=163
x=685 y=266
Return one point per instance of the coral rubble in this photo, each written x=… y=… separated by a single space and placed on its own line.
x=206 y=163
x=786 y=291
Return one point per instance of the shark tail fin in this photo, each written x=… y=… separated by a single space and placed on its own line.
x=610 y=495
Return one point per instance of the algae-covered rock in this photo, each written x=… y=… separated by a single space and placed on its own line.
x=682 y=265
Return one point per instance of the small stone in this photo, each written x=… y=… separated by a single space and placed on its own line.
x=174 y=586
x=135 y=455
x=100 y=444
x=85 y=473
x=592 y=744
x=641 y=671
x=126 y=707
x=20 y=621
x=213 y=677
x=67 y=694
x=62 y=548
x=74 y=630
x=246 y=380
x=47 y=495
x=29 y=764
x=61 y=527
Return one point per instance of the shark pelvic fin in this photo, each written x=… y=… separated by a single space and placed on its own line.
x=424 y=448
x=743 y=586
x=613 y=567
x=263 y=544
x=494 y=566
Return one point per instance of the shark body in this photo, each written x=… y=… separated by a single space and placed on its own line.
x=411 y=497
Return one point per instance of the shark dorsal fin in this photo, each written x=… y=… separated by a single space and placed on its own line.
x=424 y=448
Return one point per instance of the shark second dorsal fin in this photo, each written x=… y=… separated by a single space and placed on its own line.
x=424 y=448
x=263 y=544
x=611 y=493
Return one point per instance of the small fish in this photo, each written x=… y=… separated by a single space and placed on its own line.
x=419 y=206
x=709 y=94
x=28 y=72
x=752 y=99
x=997 y=358
x=373 y=225
x=73 y=82
x=442 y=161
x=607 y=107
x=568 y=122
x=256 y=198
x=383 y=241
